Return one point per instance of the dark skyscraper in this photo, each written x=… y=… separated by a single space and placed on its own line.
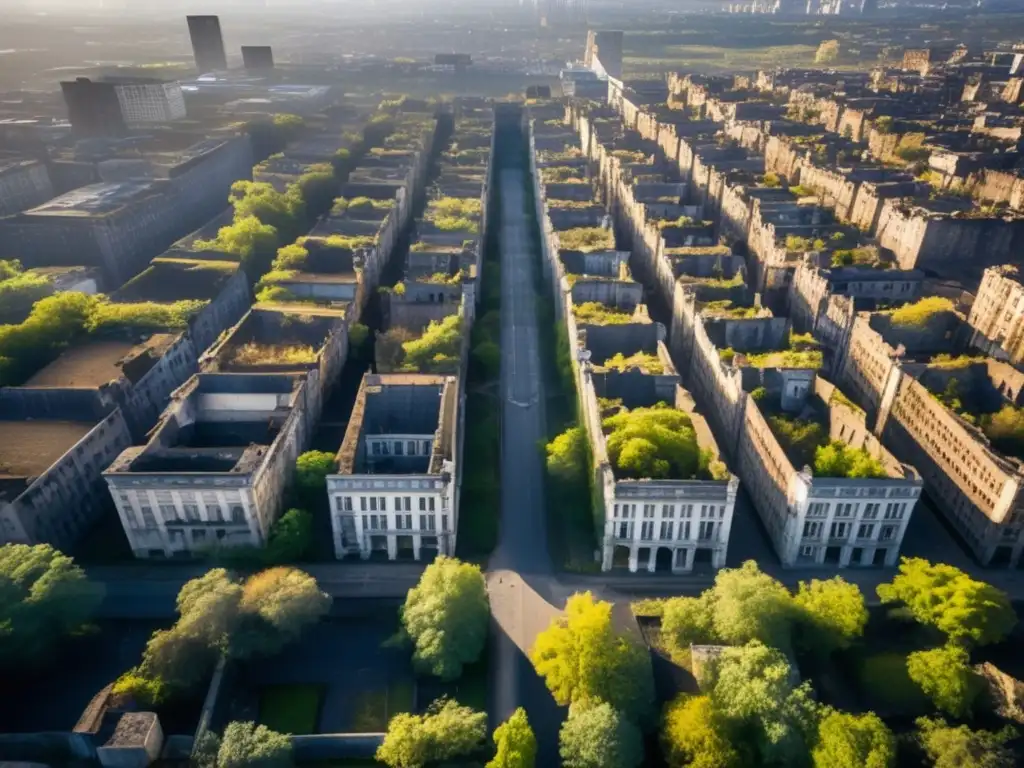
x=257 y=57
x=207 y=43
x=93 y=108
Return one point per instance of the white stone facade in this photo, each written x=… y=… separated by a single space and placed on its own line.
x=392 y=514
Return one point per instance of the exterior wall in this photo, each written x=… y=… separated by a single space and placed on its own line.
x=978 y=492
x=177 y=514
x=64 y=502
x=151 y=102
x=24 y=186
x=997 y=316
x=379 y=512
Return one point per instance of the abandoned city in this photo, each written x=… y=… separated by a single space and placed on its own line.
x=512 y=383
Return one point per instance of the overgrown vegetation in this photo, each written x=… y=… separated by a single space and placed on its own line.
x=587 y=239
x=922 y=313
x=64 y=318
x=658 y=442
x=639 y=361
x=596 y=313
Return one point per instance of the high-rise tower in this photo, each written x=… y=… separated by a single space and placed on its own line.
x=207 y=43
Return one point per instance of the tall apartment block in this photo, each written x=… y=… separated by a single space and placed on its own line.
x=93 y=108
x=207 y=43
x=257 y=57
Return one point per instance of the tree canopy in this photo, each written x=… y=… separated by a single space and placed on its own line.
x=446 y=615
x=751 y=605
x=832 y=612
x=960 y=747
x=515 y=744
x=595 y=735
x=854 y=741
x=657 y=442
x=581 y=656
x=437 y=350
x=317 y=189
x=252 y=241
x=284 y=211
x=44 y=597
x=447 y=730
x=946 y=677
x=247 y=745
x=752 y=686
x=946 y=598
x=290 y=537
x=838 y=459
x=221 y=616
x=567 y=455
x=311 y=471
x=695 y=735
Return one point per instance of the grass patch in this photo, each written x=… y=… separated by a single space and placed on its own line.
x=374 y=709
x=291 y=708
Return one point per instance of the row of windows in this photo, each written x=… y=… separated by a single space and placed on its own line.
x=399 y=447
x=706 y=530
x=191 y=513
x=668 y=511
x=894 y=510
x=402 y=523
x=380 y=503
x=813 y=530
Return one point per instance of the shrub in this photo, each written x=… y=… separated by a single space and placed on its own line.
x=143 y=691
x=596 y=313
x=799 y=439
x=946 y=678
x=827 y=53
x=922 y=313
x=1006 y=429
x=438 y=349
x=587 y=239
x=837 y=459
x=657 y=442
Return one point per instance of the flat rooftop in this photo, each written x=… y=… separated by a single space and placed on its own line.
x=167 y=280
x=29 y=448
x=96 y=362
x=96 y=199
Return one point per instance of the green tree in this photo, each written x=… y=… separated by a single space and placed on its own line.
x=567 y=455
x=854 y=741
x=597 y=736
x=837 y=459
x=317 y=189
x=44 y=597
x=695 y=735
x=247 y=745
x=311 y=471
x=284 y=211
x=437 y=350
x=290 y=257
x=581 y=656
x=948 y=599
x=752 y=686
x=252 y=241
x=276 y=606
x=960 y=747
x=656 y=442
x=446 y=615
x=515 y=744
x=946 y=677
x=357 y=335
x=750 y=605
x=687 y=621
x=832 y=613
x=290 y=537
x=446 y=731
